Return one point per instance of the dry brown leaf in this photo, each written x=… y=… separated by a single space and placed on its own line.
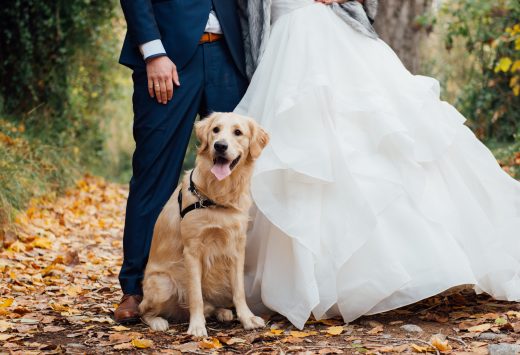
x=480 y=328
x=124 y=346
x=387 y=349
x=189 y=347
x=376 y=330
x=420 y=349
x=326 y=351
x=4 y=337
x=292 y=340
x=298 y=334
x=234 y=340
x=516 y=327
x=52 y=329
x=120 y=328
x=435 y=317
x=118 y=338
x=331 y=321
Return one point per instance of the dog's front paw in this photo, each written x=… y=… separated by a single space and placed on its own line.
x=197 y=330
x=158 y=324
x=252 y=322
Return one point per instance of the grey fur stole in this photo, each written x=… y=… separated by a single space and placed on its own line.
x=256 y=24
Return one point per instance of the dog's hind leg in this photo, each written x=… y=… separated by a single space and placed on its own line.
x=209 y=309
x=224 y=315
x=158 y=290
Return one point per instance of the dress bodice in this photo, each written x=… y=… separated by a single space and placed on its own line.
x=282 y=7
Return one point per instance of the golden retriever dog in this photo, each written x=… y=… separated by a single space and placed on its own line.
x=196 y=263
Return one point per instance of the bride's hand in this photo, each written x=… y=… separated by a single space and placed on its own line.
x=328 y=2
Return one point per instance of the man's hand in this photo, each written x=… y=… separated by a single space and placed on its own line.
x=162 y=75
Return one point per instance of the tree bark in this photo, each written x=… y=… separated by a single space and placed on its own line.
x=396 y=24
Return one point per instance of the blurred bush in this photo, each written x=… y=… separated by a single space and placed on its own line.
x=489 y=33
x=64 y=99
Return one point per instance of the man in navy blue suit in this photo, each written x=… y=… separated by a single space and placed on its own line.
x=187 y=58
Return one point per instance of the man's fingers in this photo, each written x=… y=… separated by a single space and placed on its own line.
x=169 y=89
x=175 y=76
x=150 y=87
x=164 y=95
x=157 y=90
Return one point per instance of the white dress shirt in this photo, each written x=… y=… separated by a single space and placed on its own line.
x=155 y=47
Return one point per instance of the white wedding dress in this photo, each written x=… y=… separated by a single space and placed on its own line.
x=371 y=194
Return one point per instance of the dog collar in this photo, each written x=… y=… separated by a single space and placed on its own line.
x=203 y=202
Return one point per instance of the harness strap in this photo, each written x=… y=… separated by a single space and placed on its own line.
x=202 y=203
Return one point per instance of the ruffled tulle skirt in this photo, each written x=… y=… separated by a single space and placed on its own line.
x=372 y=194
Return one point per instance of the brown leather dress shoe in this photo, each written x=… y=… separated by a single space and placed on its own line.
x=127 y=311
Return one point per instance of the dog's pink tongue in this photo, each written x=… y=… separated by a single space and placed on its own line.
x=221 y=171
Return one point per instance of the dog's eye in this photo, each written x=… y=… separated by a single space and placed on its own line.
x=216 y=130
x=238 y=132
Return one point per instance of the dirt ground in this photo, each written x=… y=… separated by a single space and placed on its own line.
x=59 y=289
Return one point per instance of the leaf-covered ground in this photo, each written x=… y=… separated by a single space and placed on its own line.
x=59 y=289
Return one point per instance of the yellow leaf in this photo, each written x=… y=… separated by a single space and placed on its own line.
x=516 y=66
x=420 y=349
x=337 y=330
x=120 y=328
x=513 y=314
x=503 y=65
x=42 y=243
x=142 y=343
x=500 y=321
x=74 y=290
x=211 y=343
x=439 y=344
x=516 y=90
x=480 y=328
x=59 y=308
x=276 y=331
x=6 y=302
x=16 y=247
x=298 y=334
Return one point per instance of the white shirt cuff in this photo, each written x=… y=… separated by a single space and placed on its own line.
x=151 y=48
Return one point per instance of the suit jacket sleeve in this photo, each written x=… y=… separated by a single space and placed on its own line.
x=140 y=20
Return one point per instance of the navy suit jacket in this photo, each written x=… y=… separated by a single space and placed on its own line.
x=179 y=24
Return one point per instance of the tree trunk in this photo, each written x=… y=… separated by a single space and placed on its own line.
x=396 y=24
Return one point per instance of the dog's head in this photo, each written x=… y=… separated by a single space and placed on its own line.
x=228 y=140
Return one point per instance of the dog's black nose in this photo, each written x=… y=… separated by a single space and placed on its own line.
x=220 y=146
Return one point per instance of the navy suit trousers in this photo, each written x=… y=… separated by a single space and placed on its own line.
x=209 y=82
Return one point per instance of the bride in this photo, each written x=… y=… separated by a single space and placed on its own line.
x=372 y=193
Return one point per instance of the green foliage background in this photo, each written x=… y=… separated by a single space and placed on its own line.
x=61 y=91
x=65 y=104
x=474 y=51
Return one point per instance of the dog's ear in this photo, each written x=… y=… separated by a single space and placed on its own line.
x=259 y=140
x=202 y=129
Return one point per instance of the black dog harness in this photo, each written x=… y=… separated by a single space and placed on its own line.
x=203 y=202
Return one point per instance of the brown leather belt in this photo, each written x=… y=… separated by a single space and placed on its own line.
x=210 y=37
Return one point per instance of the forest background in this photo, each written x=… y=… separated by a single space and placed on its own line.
x=65 y=102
